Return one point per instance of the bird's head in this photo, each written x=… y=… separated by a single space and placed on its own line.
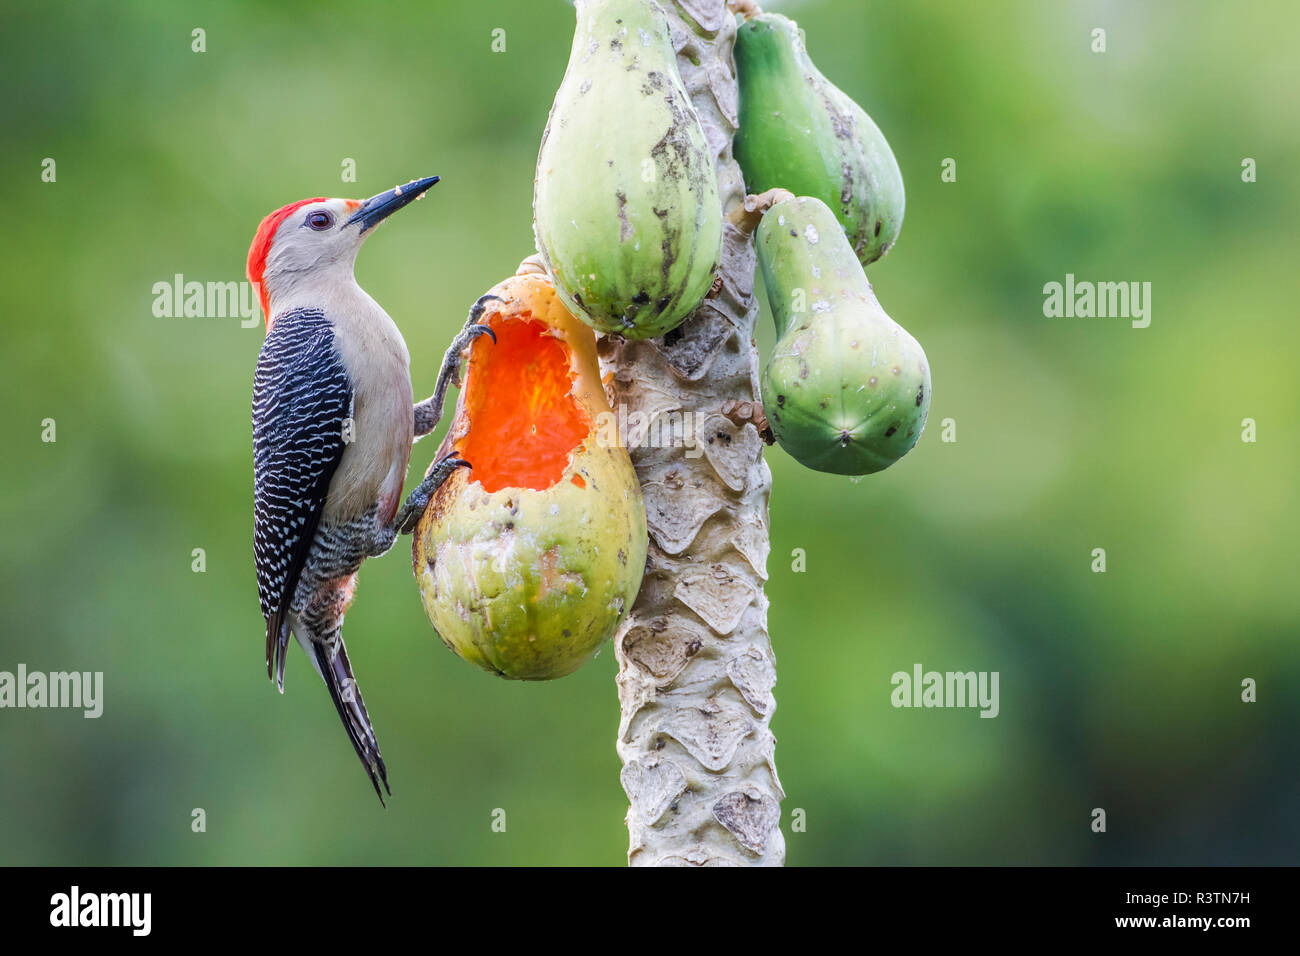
x=316 y=237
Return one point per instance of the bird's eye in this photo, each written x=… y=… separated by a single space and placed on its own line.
x=320 y=221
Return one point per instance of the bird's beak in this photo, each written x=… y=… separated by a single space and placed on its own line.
x=378 y=208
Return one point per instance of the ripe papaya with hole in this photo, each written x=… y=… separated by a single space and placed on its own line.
x=847 y=389
x=799 y=131
x=626 y=211
x=527 y=560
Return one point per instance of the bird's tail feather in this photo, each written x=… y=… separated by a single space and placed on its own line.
x=352 y=710
x=277 y=643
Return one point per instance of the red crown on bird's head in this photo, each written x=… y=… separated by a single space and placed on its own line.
x=261 y=248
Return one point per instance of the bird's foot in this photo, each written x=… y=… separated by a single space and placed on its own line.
x=429 y=412
x=413 y=509
x=469 y=331
x=451 y=362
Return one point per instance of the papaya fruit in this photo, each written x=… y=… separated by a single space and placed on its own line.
x=626 y=211
x=846 y=389
x=798 y=131
x=527 y=560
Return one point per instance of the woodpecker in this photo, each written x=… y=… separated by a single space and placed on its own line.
x=333 y=425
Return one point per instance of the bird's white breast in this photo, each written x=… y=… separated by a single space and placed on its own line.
x=373 y=468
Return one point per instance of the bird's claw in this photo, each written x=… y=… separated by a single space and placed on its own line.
x=408 y=518
x=479 y=307
x=475 y=330
x=429 y=412
x=469 y=332
x=464 y=341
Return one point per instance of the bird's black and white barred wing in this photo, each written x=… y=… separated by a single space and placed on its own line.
x=301 y=398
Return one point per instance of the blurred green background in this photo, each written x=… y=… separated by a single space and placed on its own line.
x=1118 y=690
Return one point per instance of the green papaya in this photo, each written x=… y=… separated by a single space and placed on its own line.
x=626 y=211
x=847 y=389
x=798 y=131
x=528 y=560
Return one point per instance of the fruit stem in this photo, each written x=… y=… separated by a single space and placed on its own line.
x=746 y=8
x=532 y=266
x=748 y=214
x=740 y=413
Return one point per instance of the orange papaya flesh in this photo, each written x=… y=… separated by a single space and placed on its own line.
x=524 y=424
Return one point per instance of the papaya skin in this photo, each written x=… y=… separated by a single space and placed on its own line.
x=627 y=215
x=847 y=389
x=528 y=565
x=800 y=132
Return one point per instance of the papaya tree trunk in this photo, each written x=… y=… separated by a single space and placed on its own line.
x=696 y=668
